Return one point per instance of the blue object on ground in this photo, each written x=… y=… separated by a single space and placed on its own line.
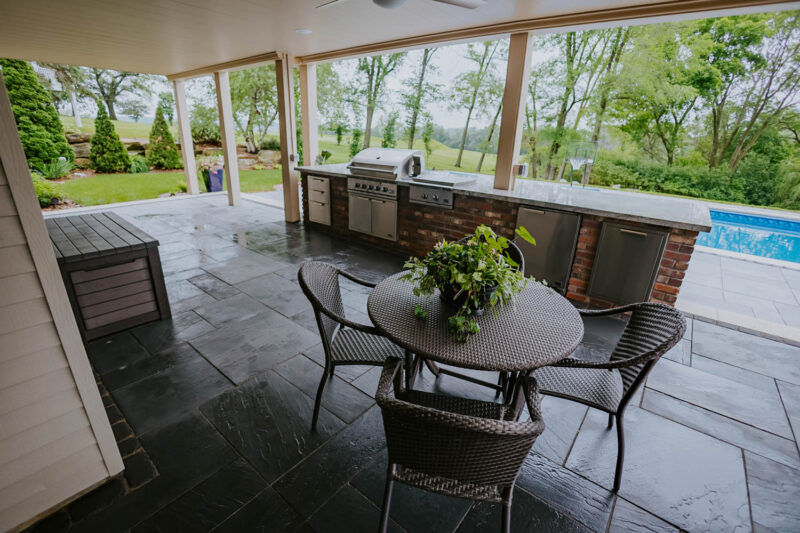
x=216 y=180
x=776 y=238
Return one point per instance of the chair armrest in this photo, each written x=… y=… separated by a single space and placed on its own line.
x=358 y=280
x=611 y=311
x=391 y=367
x=348 y=323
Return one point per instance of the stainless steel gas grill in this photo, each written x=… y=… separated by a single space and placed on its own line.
x=373 y=207
x=387 y=163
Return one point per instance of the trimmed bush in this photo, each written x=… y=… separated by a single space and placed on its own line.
x=107 y=153
x=48 y=193
x=162 y=152
x=138 y=165
x=205 y=125
x=37 y=120
x=271 y=143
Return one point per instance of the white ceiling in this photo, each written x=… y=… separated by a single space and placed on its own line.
x=170 y=36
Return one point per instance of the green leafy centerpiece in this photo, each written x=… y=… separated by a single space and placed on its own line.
x=472 y=275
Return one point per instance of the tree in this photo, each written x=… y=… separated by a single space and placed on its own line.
x=355 y=141
x=657 y=102
x=492 y=96
x=576 y=65
x=333 y=98
x=37 y=120
x=390 y=130
x=610 y=78
x=254 y=97
x=757 y=61
x=161 y=151
x=166 y=101
x=107 y=153
x=134 y=109
x=374 y=70
x=468 y=85
x=109 y=85
x=414 y=100
x=204 y=123
x=427 y=135
x=73 y=84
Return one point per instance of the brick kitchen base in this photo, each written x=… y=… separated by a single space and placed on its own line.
x=420 y=227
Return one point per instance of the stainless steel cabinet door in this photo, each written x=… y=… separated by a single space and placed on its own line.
x=556 y=235
x=319 y=212
x=626 y=263
x=384 y=219
x=360 y=214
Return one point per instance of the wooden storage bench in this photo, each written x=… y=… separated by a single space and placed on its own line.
x=112 y=272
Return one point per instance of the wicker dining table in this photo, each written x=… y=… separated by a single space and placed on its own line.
x=539 y=328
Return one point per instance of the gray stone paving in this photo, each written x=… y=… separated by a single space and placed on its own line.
x=221 y=397
x=748 y=288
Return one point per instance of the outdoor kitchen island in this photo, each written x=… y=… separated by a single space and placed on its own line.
x=599 y=247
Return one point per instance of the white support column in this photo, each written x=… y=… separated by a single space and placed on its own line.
x=185 y=136
x=228 y=134
x=512 y=119
x=308 y=110
x=291 y=198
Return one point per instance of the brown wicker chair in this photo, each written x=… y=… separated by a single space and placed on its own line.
x=454 y=446
x=344 y=342
x=651 y=331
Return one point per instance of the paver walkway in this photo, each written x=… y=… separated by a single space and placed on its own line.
x=220 y=398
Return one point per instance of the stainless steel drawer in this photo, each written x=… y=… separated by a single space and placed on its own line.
x=318 y=195
x=319 y=212
x=316 y=183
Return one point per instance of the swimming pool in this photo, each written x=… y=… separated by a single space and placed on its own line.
x=775 y=238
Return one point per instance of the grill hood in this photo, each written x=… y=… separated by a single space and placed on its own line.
x=387 y=163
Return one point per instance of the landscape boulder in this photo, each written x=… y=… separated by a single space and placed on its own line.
x=269 y=158
x=81 y=149
x=80 y=137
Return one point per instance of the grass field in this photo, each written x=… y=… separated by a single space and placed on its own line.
x=126 y=130
x=111 y=188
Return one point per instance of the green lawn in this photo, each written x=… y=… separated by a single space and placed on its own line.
x=111 y=188
x=126 y=130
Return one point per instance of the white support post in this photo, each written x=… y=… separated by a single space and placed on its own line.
x=227 y=132
x=291 y=198
x=308 y=110
x=185 y=136
x=512 y=119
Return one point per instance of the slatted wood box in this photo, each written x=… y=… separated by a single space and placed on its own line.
x=112 y=272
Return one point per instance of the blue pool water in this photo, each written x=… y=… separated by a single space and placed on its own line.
x=753 y=235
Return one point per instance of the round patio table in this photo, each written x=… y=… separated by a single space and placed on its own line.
x=539 y=328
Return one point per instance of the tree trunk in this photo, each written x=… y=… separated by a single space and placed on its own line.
x=464 y=133
x=112 y=113
x=599 y=119
x=412 y=125
x=489 y=137
x=75 y=113
x=368 y=126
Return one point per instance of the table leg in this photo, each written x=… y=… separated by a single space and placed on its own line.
x=516 y=397
x=412 y=364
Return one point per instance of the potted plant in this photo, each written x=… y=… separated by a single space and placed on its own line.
x=211 y=171
x=471 y=275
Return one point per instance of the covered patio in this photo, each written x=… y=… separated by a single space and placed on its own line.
x=212 y=410
x=201 y=422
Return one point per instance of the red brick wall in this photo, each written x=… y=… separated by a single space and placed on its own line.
x=420 y=227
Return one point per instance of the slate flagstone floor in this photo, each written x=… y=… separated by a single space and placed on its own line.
x=220 y=398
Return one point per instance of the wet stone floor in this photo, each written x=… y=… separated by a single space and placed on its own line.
x=220 y=399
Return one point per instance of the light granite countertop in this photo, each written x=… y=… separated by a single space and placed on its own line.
x=630 y=206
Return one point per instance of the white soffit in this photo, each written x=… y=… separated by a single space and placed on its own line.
x=170 y=36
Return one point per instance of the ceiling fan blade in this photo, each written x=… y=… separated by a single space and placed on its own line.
x=329 y=3
x=467 y=4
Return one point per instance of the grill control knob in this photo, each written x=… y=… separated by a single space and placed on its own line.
x=435 y=197
x=424 y=196
x=384 y=189
x=370 y=187
x=358 y=185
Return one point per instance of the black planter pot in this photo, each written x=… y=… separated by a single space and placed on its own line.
x=448 y=295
